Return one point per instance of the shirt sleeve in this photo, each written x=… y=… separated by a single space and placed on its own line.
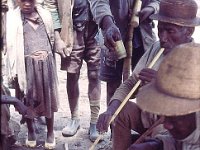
x=52 y=6
x=144 y=61
x=100 y=9
x=155 y=4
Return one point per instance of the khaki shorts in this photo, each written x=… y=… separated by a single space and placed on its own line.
x=86 y=47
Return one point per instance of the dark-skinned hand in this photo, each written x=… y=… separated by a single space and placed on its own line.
x=146 y=75
x=110 y=32
x=148 y=145
x=145 y=13
x=104 y=118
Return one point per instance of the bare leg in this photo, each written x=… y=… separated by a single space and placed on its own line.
x=31 y=130
x=94 y=93
x=73 y=93
x=111 y=88
x=50 y=133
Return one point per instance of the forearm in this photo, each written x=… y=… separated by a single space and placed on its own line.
x=124 y=89
x=152 y=144
x=8 y=100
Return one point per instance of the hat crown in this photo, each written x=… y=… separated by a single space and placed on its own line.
x=179 y=12
x=178 y=9
x=179 y=73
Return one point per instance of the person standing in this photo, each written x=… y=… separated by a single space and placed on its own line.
x=31 y=59
x=114 y=17
x=84 y=47
x=174 y=28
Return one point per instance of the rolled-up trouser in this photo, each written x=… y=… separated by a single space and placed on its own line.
x=129 y=118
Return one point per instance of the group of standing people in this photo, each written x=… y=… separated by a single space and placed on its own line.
x=37 y=33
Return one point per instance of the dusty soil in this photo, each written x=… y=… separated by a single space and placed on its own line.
x=81 y=140
x=78 y=142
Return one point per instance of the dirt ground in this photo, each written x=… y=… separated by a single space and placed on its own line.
x=78 y=142
x=81 y=140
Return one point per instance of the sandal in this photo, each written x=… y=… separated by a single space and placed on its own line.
x=48 y=145
x=30 y=143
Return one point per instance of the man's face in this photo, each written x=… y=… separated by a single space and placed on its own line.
x=171 y=35
x=180 y=127
x=27 y=6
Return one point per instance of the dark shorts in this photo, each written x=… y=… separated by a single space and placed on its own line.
x=86 y=47
x=111 y=70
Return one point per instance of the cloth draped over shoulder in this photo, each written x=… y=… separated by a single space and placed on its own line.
x=15 y=63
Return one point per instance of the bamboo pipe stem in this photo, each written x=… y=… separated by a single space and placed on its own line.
x=128 y=96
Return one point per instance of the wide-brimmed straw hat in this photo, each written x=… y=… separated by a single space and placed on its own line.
x=176 y=89
x=179 y=12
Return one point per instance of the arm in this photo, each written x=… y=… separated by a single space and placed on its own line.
x=148 y=10
x=152 y=144
x=60 y=45
x=21 y=108
x=103 y=16
x=120 y=95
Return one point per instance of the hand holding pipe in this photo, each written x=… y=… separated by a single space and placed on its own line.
x=128 y=96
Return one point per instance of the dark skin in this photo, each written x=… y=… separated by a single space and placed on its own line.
x=170 y=36
x=180 y=127
x=111 y=32
x=19 y=106
x=28 y=9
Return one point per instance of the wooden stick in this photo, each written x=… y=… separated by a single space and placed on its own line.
x=128 y=96
x=149 y=131
x=134 y=22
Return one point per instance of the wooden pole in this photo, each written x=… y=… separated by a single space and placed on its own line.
x=129 y=45
x=128 y=96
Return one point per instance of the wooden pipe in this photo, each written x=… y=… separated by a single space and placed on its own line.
x=128 y=96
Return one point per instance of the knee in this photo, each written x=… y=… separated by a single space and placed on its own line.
x=93 y=75
x=130 y=109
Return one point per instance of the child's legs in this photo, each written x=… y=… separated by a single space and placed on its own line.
x=50 y=124
x=31 y=130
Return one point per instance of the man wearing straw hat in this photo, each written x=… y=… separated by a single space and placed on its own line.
x=176 y=24
x=175 y=94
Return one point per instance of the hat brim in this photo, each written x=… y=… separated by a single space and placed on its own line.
x=180 y=22
x=152 y=100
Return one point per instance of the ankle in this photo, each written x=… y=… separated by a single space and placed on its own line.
x=31 y=136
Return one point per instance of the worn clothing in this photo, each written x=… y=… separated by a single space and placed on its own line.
x=143 y=38
x=121 y=14
x=131 y=117
x=125 y=88
x=15 y=43
x=86 y=45
x=52 y=7
x=85 y=48
x=41 y=93
x=144 y=61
